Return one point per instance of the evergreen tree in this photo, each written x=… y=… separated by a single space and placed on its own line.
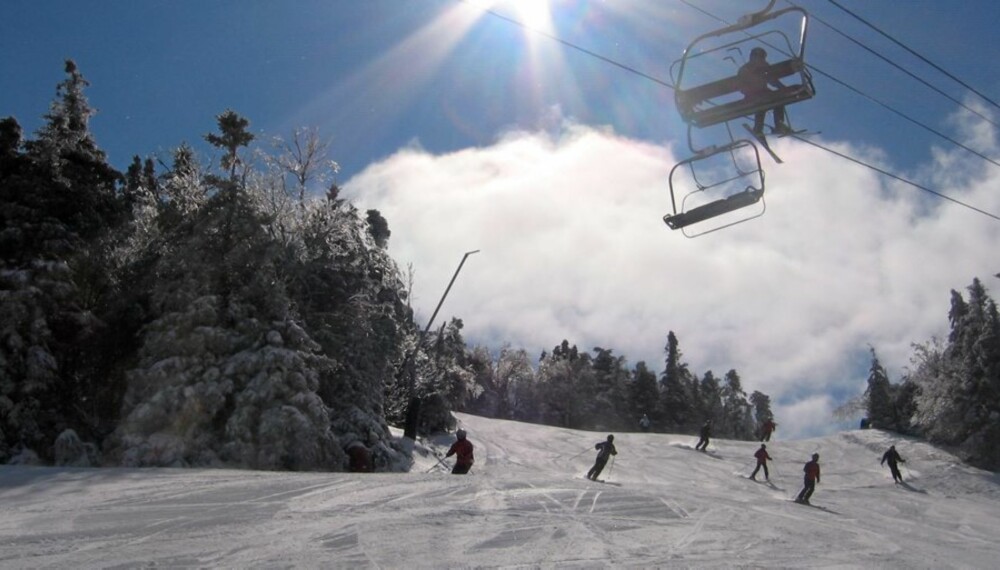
x=610 y=397
x=738 y=421
x=711 y=399
x=677 y=407
x=59 y=202
x=452 y=361
x=232 y=136
x=351 y=295
x=645 y=394
x=80 y=185
x=183 y=190
x=881 y=411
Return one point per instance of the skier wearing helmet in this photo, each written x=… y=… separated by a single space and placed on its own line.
x=605 y=450
x=462 y=449
x=811 y=470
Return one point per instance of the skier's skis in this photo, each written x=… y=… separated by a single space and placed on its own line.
x=817 y=507
x=763 y=142
x=604 y=481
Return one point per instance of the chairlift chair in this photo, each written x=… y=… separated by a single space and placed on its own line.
x=719 y=99
x=714 y=193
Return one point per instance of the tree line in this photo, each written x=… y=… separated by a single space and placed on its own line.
x=951 y=394
x=595 y=390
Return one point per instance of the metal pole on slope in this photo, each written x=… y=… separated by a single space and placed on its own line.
x=413 y=406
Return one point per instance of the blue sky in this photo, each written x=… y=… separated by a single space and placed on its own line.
x=469 y=132
x=160 y=71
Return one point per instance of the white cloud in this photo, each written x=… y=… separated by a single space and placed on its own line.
x=573 y=246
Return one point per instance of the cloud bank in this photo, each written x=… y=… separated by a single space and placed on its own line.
x=573 y=246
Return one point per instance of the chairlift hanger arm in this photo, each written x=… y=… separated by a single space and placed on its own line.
x=754 y=16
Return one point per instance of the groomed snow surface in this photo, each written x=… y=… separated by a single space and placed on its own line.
x=526 y=504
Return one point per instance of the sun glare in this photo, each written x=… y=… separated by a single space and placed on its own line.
x=532 y=13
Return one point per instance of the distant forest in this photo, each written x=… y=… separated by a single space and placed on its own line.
x=241 y=313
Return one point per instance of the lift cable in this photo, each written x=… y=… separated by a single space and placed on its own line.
x=904 y=70
x=915 y=54
x=897 y=177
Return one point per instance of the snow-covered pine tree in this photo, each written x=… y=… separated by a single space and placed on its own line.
x=565 y=381
x=498 y=380
x=58 y=199
x=958 y=403
x=225 y=374
x=350 y=294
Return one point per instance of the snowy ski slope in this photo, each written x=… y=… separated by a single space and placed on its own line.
x=525 y=505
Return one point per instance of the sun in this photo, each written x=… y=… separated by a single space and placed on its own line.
x=533 y=14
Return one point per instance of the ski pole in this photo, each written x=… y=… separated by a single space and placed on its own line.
x=440 y=461
x=579 y=454
x=610 y=469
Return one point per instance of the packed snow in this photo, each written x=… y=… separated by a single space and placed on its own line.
x=525 y=504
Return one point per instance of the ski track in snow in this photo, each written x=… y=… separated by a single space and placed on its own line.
x=525 y=504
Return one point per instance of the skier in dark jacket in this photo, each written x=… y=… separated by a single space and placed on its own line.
x=462 y=449
x=892 y=456
x=706 y=432
x=762 y=459
x=811 y=470
x=756 y=80
x=766 y=429
x=605 y=450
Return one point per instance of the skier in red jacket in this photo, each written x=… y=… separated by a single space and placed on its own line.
x=762 y=459
x=462 y=449
x=811 y=470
